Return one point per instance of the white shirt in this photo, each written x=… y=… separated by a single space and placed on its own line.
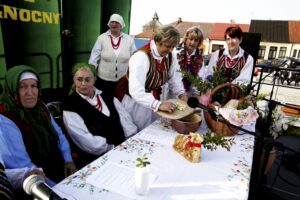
x=80 y=134
x=139 y=65
x=245 y=74
x=97 y=49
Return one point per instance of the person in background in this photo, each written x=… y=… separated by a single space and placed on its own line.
x=190 y=59
x=111 y=53
x=29 y=134
x=91 y=118
x=232 y=61
x=149 y=68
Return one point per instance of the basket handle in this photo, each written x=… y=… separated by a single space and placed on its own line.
x=235 y=89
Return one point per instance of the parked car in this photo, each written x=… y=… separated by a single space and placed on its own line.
x=264 y=66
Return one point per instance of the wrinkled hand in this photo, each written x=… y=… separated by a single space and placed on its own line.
x=167 y=106
x=36 y=171
x=70 y=168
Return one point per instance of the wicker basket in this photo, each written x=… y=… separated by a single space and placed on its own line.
x=219 y=127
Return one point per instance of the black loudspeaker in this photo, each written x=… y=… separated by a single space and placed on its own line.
x=250 y=44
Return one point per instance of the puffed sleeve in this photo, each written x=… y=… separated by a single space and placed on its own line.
x=81 y=136
x=174 y=81
x=96 y=53
x=138 y=68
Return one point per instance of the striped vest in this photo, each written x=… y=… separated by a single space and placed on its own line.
x=158 y=72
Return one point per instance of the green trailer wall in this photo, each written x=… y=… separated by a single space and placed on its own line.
x=52 y=48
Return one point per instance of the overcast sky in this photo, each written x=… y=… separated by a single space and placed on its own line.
x=241 y=11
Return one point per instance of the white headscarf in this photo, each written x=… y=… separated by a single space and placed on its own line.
x=28 y=75
x=116 y=18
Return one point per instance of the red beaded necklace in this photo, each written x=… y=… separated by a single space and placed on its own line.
x=115 y=46
x=98 y=106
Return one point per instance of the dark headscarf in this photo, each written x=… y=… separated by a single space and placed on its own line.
x=35 y=123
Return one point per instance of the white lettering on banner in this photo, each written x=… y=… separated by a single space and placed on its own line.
x=26 y=15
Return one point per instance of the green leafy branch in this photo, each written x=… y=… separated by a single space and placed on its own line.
x=202 y=86
x=212 y=141
x=143 y=161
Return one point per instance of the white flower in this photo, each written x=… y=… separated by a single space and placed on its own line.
x=280 y=123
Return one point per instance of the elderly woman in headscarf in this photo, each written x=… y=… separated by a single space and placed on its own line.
x=111 y=53
x=91 y=118
x=32 y=137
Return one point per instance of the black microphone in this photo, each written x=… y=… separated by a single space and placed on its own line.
x=35 y=185
x=193 y=102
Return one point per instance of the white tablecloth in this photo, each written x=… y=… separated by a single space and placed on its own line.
x=219 y=175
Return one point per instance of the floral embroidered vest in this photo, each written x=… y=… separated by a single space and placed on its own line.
x=230 y=68
x=191 y=64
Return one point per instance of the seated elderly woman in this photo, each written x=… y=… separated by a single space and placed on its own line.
x=30 y=136
x=11 y=180
x=91 y=118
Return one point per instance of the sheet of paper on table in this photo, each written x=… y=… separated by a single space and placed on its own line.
x=117 y=178
x=150 y=134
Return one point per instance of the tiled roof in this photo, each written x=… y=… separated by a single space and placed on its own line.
x=219 y=29
x=183 y=26
x=271 y=30
x=146 y=34
x=294 y=31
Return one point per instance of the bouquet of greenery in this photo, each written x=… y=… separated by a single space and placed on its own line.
x=204 y=85
x=212 y=141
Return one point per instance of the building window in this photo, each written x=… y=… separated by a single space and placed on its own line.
x=216 y=47
x=282 y=52
x=294 y=53
x=298 y=56
x=272 y=53
x=261 y=52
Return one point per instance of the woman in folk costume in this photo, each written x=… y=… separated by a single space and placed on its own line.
x=91 y=118
x=149 y=68
x=111 y=53
x=190 y=59
x=232 y=61
x=31 y=135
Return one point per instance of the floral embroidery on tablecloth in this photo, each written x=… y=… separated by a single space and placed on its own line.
x=240 y=171
x=246 y=145
x=78 y=180
x=128 y=163
x=137 y=145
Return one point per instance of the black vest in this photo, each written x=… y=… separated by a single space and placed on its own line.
x=97 y=123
